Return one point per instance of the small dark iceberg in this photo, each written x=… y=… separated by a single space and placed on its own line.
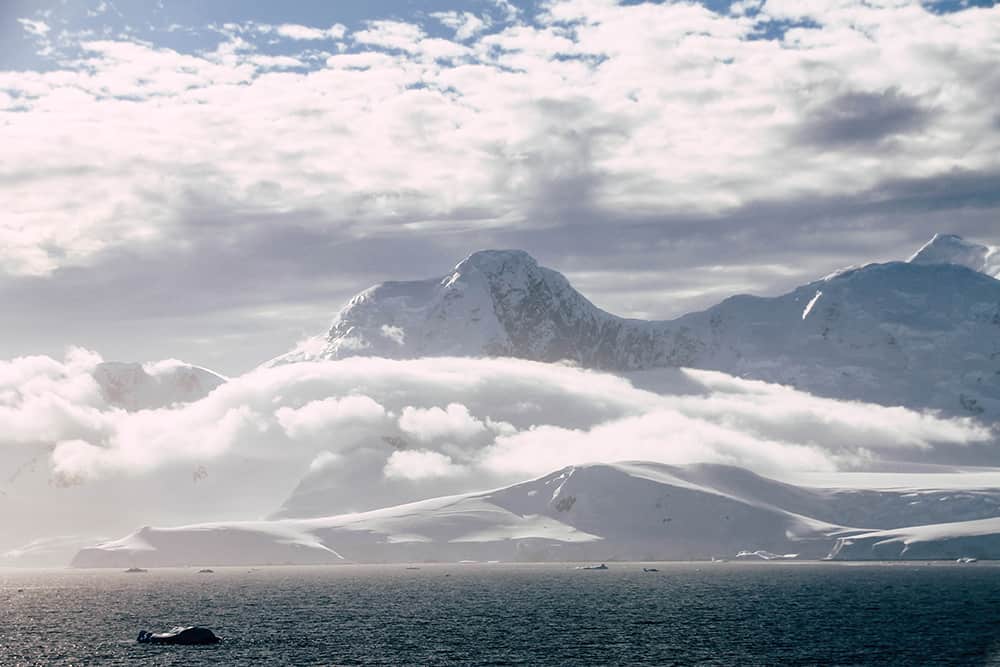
x=179 y=635
x=207 y=570
x=649 y=569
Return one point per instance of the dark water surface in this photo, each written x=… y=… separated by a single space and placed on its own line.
x=685 y=614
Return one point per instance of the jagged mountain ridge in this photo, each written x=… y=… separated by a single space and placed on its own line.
x=623 y=511
x=924 y=333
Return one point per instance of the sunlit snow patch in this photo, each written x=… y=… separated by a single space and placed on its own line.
x=812 y=302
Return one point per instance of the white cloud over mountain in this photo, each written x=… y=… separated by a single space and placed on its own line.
x=329 y=414
x=454 y=421
x=514 y=417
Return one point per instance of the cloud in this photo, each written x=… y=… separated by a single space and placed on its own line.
x=860 y=117
x=748 y=423
x=395 y=334
x=35 y=28
x=43 y=400
x=465 y=24
x=302 y=32
x=57 y=406
x=391 y=34
x=563 y=415
x=325 y=417
x=453 y=422
x=420 y=465
x=323 y=460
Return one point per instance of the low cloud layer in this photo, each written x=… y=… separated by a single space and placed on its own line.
x=446 y=424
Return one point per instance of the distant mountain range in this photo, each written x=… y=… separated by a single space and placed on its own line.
x=924 y=333
x=598 y=512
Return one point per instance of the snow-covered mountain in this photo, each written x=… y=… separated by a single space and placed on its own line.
x=951 y=249
x=626 y=511
x=923 y=333
x=134 y=386
x=333 y=488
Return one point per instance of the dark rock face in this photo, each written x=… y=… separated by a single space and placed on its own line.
x=192 y=635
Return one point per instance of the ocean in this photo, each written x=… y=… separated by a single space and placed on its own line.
x=506 y=614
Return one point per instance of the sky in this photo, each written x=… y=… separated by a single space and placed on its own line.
x=211 y=181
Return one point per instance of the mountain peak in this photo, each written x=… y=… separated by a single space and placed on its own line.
x=863 y=334
x=953 y=249
x=497 y=261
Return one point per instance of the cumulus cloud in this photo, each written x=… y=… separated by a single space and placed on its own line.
x=302 y=32
x=420 y=464
x=509 y=9
x=391 y=34
x=454 y=421
x=44 y=400
x=327 y=415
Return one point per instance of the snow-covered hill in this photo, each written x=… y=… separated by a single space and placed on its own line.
x=134 y=386
x=629 y=511
x=944 y=541
x=924 y=333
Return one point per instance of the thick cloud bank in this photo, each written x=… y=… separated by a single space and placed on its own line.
x=496 y=416
x=640 y=108
x=386 y=430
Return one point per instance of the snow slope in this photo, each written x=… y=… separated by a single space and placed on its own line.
x=627 y=511
x=135 y=386
x=944 y=541
x=923 y=334
x=951 y=249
